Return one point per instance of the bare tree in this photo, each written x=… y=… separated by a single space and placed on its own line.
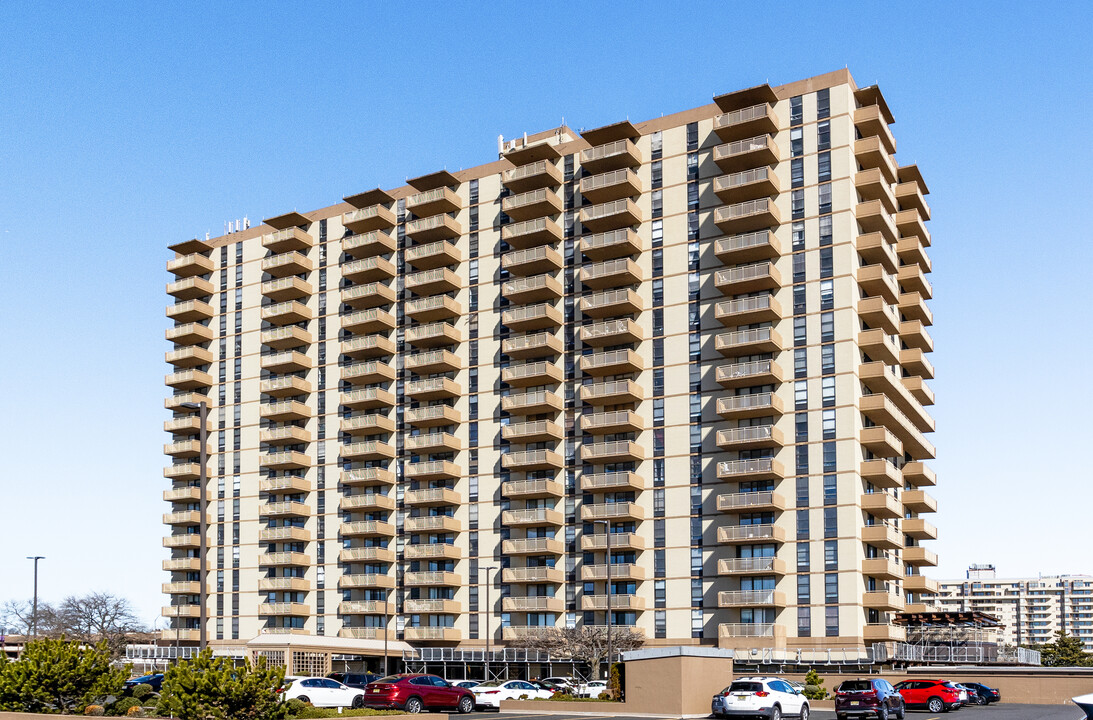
x=587 y=643
x=17 y=617
x=99 y=616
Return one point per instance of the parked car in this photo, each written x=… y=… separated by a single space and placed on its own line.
x=971 y=696
x=465 y=683
x=414 y=693
x=561 y=684
x=155 y=680
x=591 y=689
x=987 y=694
x=354 y=680
x=934 y=695
x=492 y=692
x=321 y=692
x=768 y=697
x=873 y=697
x=543 y=686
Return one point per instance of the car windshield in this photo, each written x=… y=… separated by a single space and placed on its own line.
x=491 y=683
x=745 y=687
x=856 y=686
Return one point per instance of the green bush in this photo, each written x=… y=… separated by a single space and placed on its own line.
x=62 y=676
x=215 y=688
x=296 y=706
x=814 y=689
x=137 y=712
x=122 y=706
x=94 y=710
x=141 y=691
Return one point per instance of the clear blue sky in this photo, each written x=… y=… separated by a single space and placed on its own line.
x=127 y=127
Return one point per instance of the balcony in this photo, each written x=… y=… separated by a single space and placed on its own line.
x=432 y=524
x=532 y=261
x=910 y=197
x=182 y=517
x=432 y=551
x=535 y=345
x=913 y=306
x=882 y=505
x=532 y=432
x=432 y=607
x=530 y=374
x=746 y=122
x=611 y=303
x=289 y=312
x=611 y=156
x=871 y=121
x=437 y=227
x=611 y=215
x=882 y=601
x=285 y=435
x=874 y=218
x=373 y=217
x=186 y=587
x=870 y=152
x=373 y=320
x=369 y=244
x=533 y=604
x=367 y=450
x=748 y=216
x=182 y=541
x=881 y=410
x=190 y=265
x=366 y=581
x=532 y=204
x=612 y=185
x=367 y=477
x=748 y=278
x=532 y=289
x=747 y=247
x=751 y=566
x=432 y=634
x=368 y=295
x=746 y=185
x=434 y=334
x=613 y=244
x=285 y=386
x=880 y=379
x=757 y=151
x=748 y=534
x=748 y=342
x=881 y=473
x=432 y=416
x=182 y=471
x=183 y=448
x=532 y=403
x=879 y=346
x=189 y=611
x=535 y=489
x=611 y=482
x=365 y=607
x=437 y=388
x=287 y=288
x=754 y=469
x=533 y=516
x=278 y=584
x=882 y=568
x=749 y=437
x=612 y=392
x=919 y=557
x=366 y=502
x=884 y=632
x=591 y=603
x=433 y=442
x=748 y=502
x=609 y=423
x=876 y=281
x=613 y=511
x=368 y=269
x=736 y=407
x=883 y=537
x=612 y=332
x=531 y=233
x=880 y=441
x=433 y=255
x=284 y=460
x=619 y=541
x=877 y=250
x=190 y=311
x=532 y=546
x=612 y=362
x=188 y=493
x=368 y=372
x=611 y=273
x=911 y=251
x=919 y=529
x=427 y=578
x=366 y=528
x=435 y=307
x=914 y=362
x=878 y=314
x=434 y=361
x=286 y=264
x=529 y=460
x=757 y=372
x=184 y=425
x=532 y=317
x=918 y=501
x=538 y=574
x=285 y=338
x=606 y=453
x=286 y=240
x=920 y=585
x=432 y=470
x=289 y=508
x=367 y=398
x=433 y=202
x=873 y=186
x=188 y=357
x=432 y=282
x=189 y=380
x=748 y=310
x=189 y=334
x=751 y=598
x=429 y=497
x=912 y=278
x=543 y=173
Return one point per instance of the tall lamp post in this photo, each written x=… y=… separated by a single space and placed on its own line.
x=489 y=612
x=607 y=527
x=34 y=606
x=203 y=526
x=386 y=610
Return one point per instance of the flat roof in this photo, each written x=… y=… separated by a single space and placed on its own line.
x=289 y=219
x=369 y=198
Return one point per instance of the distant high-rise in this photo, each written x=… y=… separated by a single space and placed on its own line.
x=705 y=334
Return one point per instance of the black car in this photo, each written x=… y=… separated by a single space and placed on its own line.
x=155 y=680
x=987 y=695
x=873 y=698
x=354 y=680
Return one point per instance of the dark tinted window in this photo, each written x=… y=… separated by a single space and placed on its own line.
x=311 y=683
x=439 y=682
x=421 y=681
x=856 y=686
x=745 y=687
x=332 y=684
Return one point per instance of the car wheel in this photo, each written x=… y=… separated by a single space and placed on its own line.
x=882 y=714
x=935 y=705
x=466 y=705
x=414 y=705
x=358 y=702
x=776 y=713
x=804 y=712
x=902 y=712
x=303 y=698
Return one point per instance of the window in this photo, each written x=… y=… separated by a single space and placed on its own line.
x=831 y=522
x=797 y=204
x=830 y=462
x=827 y=327
x=829 y=424
x=800 y=422
x=803 y=596
x=830 y=490
x=823 y=135
x=825 y=230
x=800 y=334
x=802 y=492
x=692 y=166
x=800 y=394
x=796 y=110
x=797 y=172
x=801 y=453
x=696 y=623
x=660 y=623
x=831 y=554
x=692 y=195
x=827 y=294
x=657 y=200
x=692 y=136
x=800 y=362
x=827 y=262
x=802 y=557
x=831 y=588
x=798 y=299
x=796 y=142
x=656 y=144
x=798 y=236
x=825 y=198
x=802 y=525
x=831 y=621
x=656 y=174
x=799 y=268
x=827 y=359
x=804 y=622
x=823 y=166
x=823 y=103
x=828 y=384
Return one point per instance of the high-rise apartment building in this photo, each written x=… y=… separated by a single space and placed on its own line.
x=1031 y=610
x=689 y=355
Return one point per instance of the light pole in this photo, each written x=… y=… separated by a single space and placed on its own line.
x=34 y=606
x=607 y=527
x=489 y=611
x=203 y=523
x=386 y=599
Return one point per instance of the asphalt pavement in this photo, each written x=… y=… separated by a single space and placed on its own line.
x=1002 y=711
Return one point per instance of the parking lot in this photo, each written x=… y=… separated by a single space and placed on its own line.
x=1002 y=711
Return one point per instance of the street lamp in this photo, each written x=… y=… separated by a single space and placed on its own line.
x=386 y=599
x=203 y=527
x=607 y=527
x=489 y=611
x=34 y=607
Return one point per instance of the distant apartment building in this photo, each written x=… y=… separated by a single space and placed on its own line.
x=681 y=363
x=1031 y=610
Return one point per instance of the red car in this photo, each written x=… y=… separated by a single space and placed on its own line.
x=934 y=695
x=414 y=693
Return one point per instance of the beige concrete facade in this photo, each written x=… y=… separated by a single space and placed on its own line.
x=707 y=332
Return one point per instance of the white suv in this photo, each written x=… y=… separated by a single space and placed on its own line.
x=767 y=697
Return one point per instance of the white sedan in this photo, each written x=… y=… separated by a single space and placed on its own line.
x=491 y=693
x=592 y=689
x=322 y=692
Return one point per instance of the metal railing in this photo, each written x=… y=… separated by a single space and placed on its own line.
x=744 y=272
x=741 y=116
x=756 y=401
x=601 y=152
x=612 y=177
